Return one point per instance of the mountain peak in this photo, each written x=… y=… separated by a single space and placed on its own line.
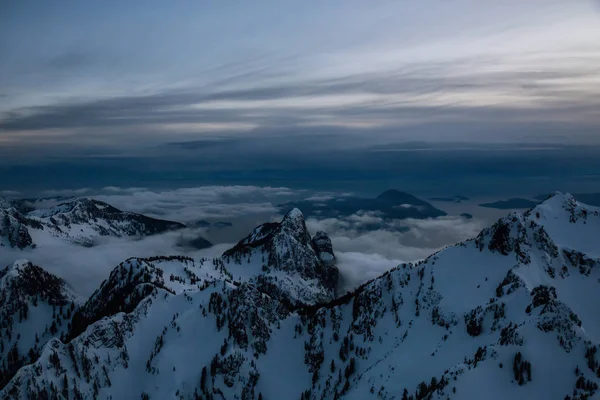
x=285 y=262
x=294 y=214
x=293 y=224
x=561 y=199
x=14 y=269
x=83 y=219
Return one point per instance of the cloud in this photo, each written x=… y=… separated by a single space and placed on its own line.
x=357 y=268
x=66 y=192
x=364 y=253
x=424 y=95
x=192 y=204
x=10 y=193
x=84 y=268
x=116 y=189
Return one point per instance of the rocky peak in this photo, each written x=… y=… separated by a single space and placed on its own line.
x=562 y=206
x=308 y=265
x=13 y=229
x=323 y=247
x=293 y=225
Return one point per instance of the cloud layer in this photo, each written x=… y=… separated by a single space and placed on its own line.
x=365 y=244
x=364 y=253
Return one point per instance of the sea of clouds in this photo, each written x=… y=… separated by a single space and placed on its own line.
x=365 y=244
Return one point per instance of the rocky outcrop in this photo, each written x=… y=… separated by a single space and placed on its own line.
x=308 y=264
x=13 y=229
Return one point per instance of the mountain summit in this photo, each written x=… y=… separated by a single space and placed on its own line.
x=284 y=258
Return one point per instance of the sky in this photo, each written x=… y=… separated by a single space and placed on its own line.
x=96 y=91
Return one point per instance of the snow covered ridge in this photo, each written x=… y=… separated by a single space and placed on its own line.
x=509 y=314
x=79 y=221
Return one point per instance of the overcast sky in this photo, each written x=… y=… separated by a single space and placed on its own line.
x=154 y=79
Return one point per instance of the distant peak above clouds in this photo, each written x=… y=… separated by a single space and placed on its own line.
x=391 y=204
x=79 y=220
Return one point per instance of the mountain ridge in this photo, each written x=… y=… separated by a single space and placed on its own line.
x=80 y=220
x=391 y=204
x=507 y=314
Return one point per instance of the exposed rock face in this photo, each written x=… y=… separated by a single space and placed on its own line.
x=13 y=229
x=309 y=272
x=323 y=247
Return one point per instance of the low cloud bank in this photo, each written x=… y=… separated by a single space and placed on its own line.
x=365 y=253
x=84 y=268
x=366 y=245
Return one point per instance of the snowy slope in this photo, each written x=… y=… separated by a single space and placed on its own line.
x=508 y=314
x=79 y=221
x=35 y=306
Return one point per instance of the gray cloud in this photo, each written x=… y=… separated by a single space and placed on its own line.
x=71 y=60
x=364 y=253
x=84 y=268
x=394 y=98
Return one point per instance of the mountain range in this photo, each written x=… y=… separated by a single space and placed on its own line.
x=519 y=202
x=80 y=220
x=510 y=313
x=391 y=204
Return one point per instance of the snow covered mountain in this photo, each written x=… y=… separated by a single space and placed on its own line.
x=79 y=220
x=282 y=259
x=35 y=306
x=13 y=229
x=511 y=313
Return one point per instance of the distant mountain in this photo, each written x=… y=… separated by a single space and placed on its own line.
x=466 y=215
x=509 y=314
x=79 y=221
x=21 y=205
x=392 y=204
x=511 y=204
x=197 y=242
x=14 y=230
x=206 y=224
